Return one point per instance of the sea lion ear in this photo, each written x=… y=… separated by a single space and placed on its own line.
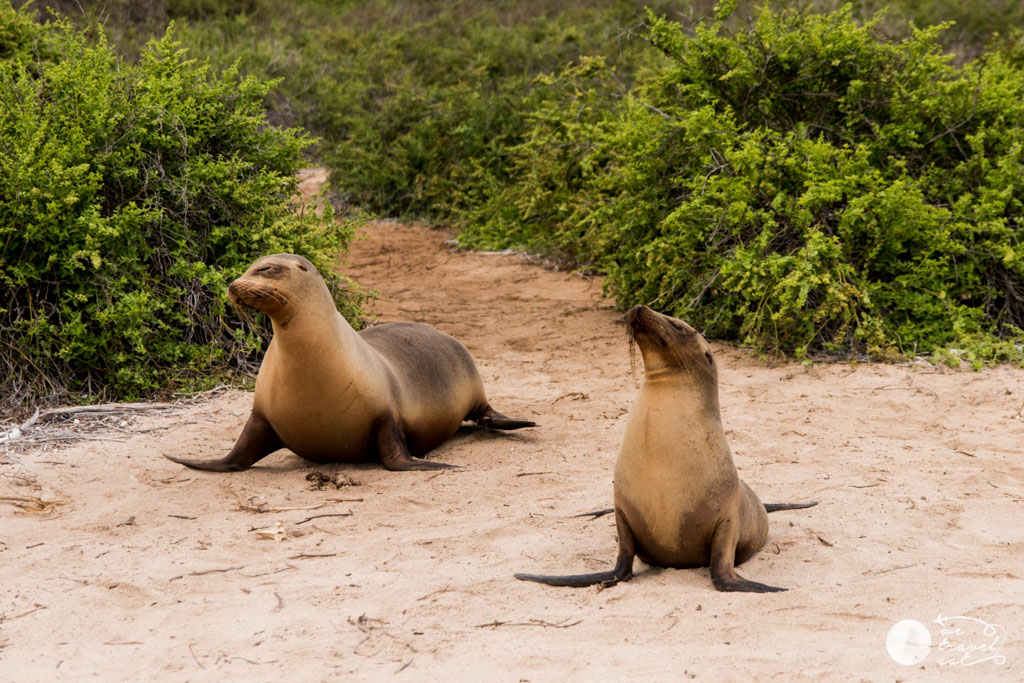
x=711 y=359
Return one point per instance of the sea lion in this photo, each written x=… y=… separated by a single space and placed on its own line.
x=331 y=394
x=678 y=499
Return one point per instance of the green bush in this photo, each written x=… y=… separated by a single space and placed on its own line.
x=803 y=185
x=130 y=195
x=417 y=102
x=423 y=142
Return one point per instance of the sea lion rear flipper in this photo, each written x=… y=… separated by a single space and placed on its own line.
x=257 y=440
x=775 y=507
x=596 y=513
x=394 y=452
x=623 y=570
x=492 y=419
x=723 y=559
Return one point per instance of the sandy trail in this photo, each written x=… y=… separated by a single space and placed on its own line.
x=151 y=571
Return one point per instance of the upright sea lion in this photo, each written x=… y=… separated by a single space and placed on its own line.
x=331 y=394
x=678 y=499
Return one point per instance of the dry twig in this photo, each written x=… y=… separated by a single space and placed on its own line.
x=329 y=514
x=25 y=614
x=192 y=652
x=17 y=433
x=531 y=622
x=264 y=507
x=203 y=572
x=32 y=505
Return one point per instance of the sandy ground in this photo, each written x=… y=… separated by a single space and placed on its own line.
x=147 y=570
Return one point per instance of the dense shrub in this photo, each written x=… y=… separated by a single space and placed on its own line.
x=418 y=102
x=426 y=143
x=803 y=182
x=129 y=196
x=802 y=185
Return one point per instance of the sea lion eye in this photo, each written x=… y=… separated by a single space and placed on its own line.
x=303 y=268
x=711 y=361
x=262 y=269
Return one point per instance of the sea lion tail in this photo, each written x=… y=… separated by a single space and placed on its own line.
x=492 y=419
x=775 y=507
x=608 y=578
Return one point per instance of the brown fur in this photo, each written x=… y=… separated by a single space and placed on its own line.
x=679 y=501
x=331 y=394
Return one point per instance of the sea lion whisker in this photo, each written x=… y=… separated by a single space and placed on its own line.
x=243 y=312
x=631 y=340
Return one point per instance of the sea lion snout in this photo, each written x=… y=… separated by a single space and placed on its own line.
x=253 y=293
x=635 y=314
x=642 y=319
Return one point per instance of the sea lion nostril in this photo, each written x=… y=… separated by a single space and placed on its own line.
x=638 y=316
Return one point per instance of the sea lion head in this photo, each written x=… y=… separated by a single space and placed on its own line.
x=670 y=346
x=278 y=285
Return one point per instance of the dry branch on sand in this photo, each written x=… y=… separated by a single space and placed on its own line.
x=32 y=431
x=32 y=505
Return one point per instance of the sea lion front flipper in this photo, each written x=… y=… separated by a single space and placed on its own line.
x=257 y=440
x=394 y=452
x=492 y=419
x=623 y=570
x=723 y=561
